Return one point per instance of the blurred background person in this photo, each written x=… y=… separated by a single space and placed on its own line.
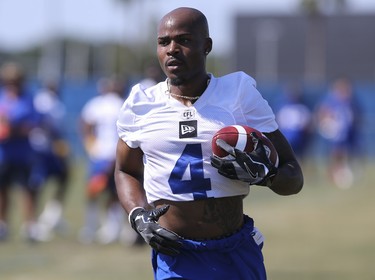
x=338 y=120
x=17 y=119
x=52 y=148
x=98 y=128
x=295 y=120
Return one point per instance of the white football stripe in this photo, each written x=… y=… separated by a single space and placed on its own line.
x=242 y=137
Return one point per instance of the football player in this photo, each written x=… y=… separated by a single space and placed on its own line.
x=167 y=180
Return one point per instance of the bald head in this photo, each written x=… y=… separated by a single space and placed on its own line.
x=188 y=16
x=183 y=45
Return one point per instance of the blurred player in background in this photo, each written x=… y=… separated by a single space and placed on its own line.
x=17 y=158
x=339 y=117
x=294 y=118
x=98 y=127
x=186 y=204
x=49 y=141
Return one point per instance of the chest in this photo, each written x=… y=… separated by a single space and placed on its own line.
x=170 y=129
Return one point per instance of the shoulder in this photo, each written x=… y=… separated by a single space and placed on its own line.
x=238 y=78
x=247 y=103
x=140 y=94
x=239 y=84
x=141 y=101
x=137 y=108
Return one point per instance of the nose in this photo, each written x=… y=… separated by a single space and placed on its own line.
x=173 y=48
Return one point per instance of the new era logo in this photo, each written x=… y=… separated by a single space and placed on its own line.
x=188 y=129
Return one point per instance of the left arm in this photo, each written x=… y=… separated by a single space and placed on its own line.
x=289 y=177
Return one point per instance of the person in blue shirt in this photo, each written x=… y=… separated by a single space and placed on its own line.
x=338 y=117
x=53 y=150
x=295 y=120
x=17 y=119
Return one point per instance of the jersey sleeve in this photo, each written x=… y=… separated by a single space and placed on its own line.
x=134 y=112
x=126 y=123
x=256 y=110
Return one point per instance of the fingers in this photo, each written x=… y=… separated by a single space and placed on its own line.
x=224 y=167
x=166 y=242
x=158 y=212
x=255 y=139
x=215 y=161
x=164 y=250
x=226 y=147
x=258 y=146
x=258 y=143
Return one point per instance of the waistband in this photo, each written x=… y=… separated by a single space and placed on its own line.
x=225 y=243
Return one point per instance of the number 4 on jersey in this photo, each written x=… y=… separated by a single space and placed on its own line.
x=191 y=158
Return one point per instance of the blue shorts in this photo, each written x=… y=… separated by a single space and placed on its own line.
x=237 y=257
x=48 y=165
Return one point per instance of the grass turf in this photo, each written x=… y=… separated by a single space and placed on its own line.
x=322 y=233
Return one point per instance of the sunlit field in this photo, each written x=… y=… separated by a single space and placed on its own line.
x=322 y=233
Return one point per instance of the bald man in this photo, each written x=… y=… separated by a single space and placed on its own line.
x=186 y=203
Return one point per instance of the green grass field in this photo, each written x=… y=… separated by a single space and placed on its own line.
x=322 y=233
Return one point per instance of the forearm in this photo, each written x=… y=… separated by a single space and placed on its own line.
x=288 y=180
x=145 y=222
x=130 y=191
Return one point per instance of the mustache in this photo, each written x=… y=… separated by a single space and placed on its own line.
x=173 y=61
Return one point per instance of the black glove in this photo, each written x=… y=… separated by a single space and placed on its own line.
x=254 y=168
x=145 y=223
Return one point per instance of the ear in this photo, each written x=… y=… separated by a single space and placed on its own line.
x=208 y=46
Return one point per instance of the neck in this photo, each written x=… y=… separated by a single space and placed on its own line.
x=177 y=89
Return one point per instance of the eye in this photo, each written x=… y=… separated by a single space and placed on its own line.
x=163 y=42
x=184 y=40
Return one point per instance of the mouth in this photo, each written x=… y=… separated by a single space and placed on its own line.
x=173 y=63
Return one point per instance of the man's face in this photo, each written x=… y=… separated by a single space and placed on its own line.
x=181 y=49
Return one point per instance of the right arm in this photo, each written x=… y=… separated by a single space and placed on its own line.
x=129 y=177
x=129 y=184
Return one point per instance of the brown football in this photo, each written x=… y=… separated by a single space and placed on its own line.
x=238 y=136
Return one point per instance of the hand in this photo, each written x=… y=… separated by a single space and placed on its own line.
x=145 y=223
x=254 y=167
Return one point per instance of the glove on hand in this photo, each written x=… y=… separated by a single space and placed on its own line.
x=145 y=223
x=254 y=167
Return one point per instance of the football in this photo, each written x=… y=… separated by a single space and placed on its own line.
x=239 y=137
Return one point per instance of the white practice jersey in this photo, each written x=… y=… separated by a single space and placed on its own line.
x=176 y=139
x=102 y=112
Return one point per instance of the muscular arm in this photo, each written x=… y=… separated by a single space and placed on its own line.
x=129 y=177
x=289 y=178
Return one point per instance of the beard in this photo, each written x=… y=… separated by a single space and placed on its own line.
x=177 y=81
